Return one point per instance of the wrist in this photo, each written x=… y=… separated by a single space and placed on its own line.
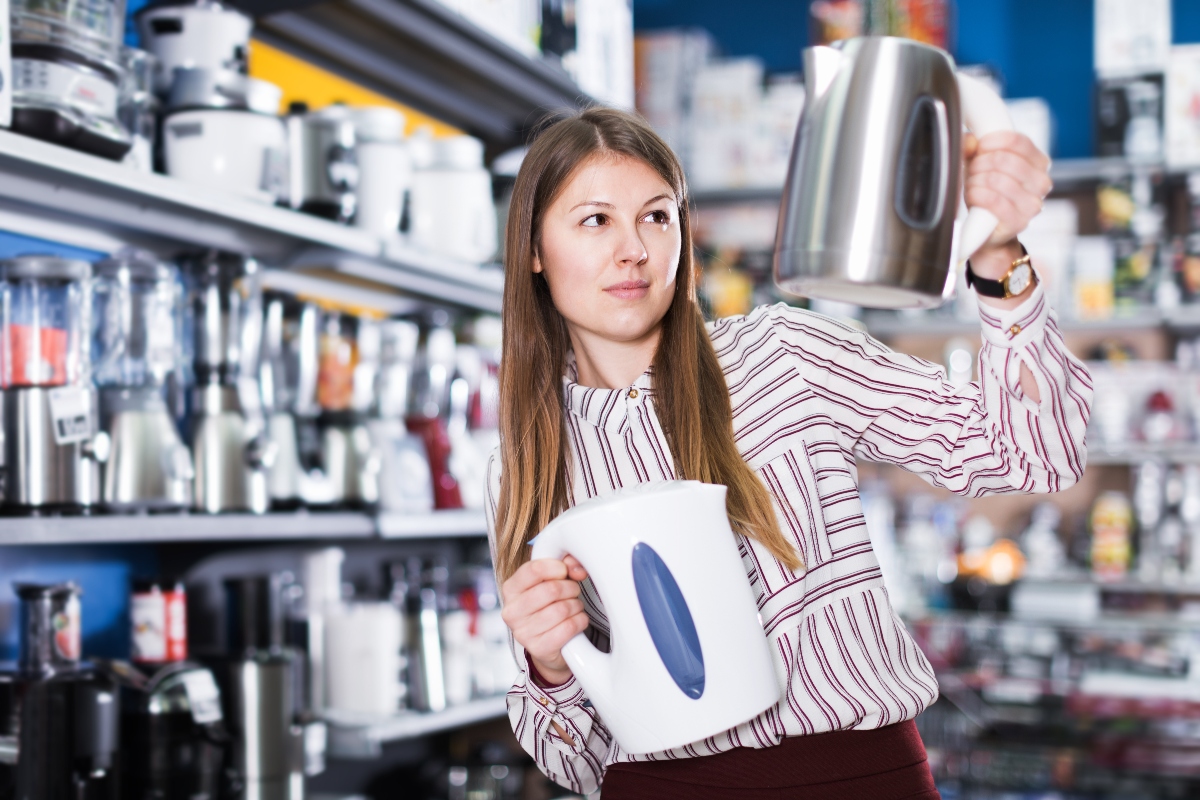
x=993 y=261
x=545 y=676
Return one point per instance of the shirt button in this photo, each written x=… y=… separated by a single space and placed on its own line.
x=1014 y=330
x=633 y=393
x=543 y=701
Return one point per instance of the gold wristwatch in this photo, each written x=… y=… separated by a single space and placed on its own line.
x=1018 y=278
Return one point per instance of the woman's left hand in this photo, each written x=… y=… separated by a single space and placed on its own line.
x=1009 y=176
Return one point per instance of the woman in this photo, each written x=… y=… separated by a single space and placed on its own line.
x=611 y=378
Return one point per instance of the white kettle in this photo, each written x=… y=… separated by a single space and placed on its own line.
x=689 y=656
x=873 y=189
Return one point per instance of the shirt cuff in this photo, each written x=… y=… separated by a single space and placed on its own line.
x=551 y=697
x=1014 y=328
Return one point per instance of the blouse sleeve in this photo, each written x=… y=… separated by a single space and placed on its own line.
x=987 y=437
x=578 y=765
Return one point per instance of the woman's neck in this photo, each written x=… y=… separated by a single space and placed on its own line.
x=605 y=364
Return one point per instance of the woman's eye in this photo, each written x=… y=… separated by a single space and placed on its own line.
x=594 y=221
x=657 y=217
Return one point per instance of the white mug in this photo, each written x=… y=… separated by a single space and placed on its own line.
x=689 y=656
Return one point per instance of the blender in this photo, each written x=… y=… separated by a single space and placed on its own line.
x=349 y=364
x=61 y=721
x=67 y=73
x=52 y=450
x=137 y=302
x=231 y=452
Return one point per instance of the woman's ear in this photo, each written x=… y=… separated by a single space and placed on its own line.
x=537 y=261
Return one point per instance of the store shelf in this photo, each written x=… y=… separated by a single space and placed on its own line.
x=888 y=323
x=422 y=53
x=440 y=524
x=184 y=528
x=1136 y=454
x=55 y=193
x=361 y=737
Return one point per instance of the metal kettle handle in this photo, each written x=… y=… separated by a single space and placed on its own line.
x=984 y=112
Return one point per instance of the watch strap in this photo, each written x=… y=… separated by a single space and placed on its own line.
x=993 y=288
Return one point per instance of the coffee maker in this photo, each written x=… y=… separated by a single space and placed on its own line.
x=405 y=481
x=263 y=688
x=288 y=380
x=58 y=718
x=231 y=451
x=52 y=449
x=349 y=364
x=138 y=359
x=173 y=739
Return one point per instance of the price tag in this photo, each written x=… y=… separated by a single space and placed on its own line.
x=71 y=414
x=203 y=696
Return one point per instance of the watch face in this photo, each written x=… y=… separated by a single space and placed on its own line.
x=1019 y=279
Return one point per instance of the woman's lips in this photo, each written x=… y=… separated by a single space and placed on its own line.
x=629 y=290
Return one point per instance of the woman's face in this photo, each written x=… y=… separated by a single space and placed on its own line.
x=609 y=249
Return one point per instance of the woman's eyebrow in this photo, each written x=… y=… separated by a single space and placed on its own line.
x=657 y=198
x=593 y=203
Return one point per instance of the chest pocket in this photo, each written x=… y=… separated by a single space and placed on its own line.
x=817 y=505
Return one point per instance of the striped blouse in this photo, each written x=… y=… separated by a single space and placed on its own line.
x=809 y=396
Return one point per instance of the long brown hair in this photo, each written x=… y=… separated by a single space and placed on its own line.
x=690 y=394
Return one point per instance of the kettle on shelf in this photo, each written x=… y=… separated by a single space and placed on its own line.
x=871 y=197
x=689 y=656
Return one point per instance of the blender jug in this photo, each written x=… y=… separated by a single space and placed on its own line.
x=231 y=453
x=52 y=451
x=137 y=301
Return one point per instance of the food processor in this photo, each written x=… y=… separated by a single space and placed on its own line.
x=66 y=71
x=52 y=449
x=137 y=353
x=231 y=453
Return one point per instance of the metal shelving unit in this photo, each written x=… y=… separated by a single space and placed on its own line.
x=443 y=524
x=422 y=53
x=59 y=194
x=276 y=526
x=362 y=737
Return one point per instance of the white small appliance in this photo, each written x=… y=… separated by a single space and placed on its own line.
x=204 y=33
x=231 y=150
x=689 y=656
x=385 y=170
x=452 y=211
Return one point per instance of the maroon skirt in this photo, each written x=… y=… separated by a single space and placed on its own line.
x=883 y=764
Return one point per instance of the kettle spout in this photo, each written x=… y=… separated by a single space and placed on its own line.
x=821 y=65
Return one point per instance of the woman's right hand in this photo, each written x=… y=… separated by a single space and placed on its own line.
x=543 y=610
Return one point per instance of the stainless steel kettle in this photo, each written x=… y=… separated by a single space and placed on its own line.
x=874 y=183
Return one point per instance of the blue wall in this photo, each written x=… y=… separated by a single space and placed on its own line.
x=1043 y=48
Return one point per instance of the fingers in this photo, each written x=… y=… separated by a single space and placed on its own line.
x=1033 y=180
x=533 y=572
x=538 y=597
x=1012 y=220
x=575 y=570
x=544 y=633
x=1019 y=144
x=1026 y=202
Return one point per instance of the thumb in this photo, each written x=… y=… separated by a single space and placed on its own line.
x=970 y=145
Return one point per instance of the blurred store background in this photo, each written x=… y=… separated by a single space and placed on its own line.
x=250 y=280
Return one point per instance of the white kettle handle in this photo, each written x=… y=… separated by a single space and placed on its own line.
x=590 y=665
x=984 y=112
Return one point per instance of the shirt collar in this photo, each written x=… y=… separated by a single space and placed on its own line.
x=609 y=409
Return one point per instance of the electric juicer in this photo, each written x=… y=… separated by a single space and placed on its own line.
x=349 y=365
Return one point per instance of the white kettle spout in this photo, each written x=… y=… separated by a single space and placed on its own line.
x=821 y=66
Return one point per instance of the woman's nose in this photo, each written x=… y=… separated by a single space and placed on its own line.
x=631 y=250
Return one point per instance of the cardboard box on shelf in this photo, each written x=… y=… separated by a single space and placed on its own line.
x=1131 y=37
x=1183 y=107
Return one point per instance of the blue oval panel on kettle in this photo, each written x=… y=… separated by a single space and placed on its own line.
x=669 y=620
